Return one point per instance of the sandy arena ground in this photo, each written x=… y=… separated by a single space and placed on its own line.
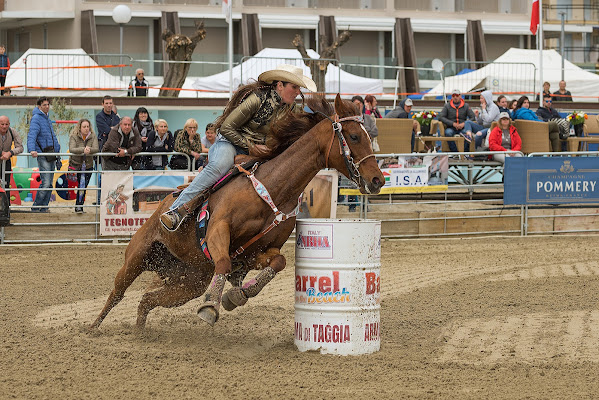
x=517 y=319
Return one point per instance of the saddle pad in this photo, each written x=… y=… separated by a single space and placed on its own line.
x=202 y=227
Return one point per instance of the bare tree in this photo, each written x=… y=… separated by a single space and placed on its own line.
x=318 y=67
x=179 y=48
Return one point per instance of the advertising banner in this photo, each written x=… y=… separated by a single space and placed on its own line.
x=551 y=180
x=128 y=200
x=413 y=174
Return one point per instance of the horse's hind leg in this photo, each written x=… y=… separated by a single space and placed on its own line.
x=173 y=294
x=238 y=296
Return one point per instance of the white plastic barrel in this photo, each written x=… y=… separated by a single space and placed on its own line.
x=337 y=286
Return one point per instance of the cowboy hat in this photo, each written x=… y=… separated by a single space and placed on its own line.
x=288 y=73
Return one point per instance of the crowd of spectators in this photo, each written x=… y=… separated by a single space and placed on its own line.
x=486 y=128
x=124 y=137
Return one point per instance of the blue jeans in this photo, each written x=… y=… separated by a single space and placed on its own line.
x=450 y=132
x=479 y=139
x=42 y=198
x=473 y=127
x=221 y=158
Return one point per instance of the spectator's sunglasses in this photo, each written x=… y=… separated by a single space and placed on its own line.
x=455 y=95
x=548 y=101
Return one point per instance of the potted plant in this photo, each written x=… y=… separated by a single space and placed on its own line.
x=425 y=118
x=577 y=119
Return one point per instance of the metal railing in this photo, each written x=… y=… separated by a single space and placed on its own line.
x=469 y=207
x=75 y=72
x=585 y=13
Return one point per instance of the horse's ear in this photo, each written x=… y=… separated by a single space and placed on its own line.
x=340 y=108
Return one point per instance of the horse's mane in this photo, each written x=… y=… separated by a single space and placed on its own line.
x=288 y=129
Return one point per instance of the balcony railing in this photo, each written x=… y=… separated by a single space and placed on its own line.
x=572 y=13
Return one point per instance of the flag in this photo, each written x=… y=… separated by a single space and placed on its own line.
x=534 y=16
x=227 y=10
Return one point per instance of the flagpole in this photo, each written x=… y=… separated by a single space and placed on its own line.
x=230 y=20
x=541 y=52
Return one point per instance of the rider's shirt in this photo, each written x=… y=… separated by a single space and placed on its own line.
x=250 y=122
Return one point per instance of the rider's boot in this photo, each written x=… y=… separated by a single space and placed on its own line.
x=172 y=219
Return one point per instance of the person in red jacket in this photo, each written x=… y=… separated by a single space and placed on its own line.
x=504 y=137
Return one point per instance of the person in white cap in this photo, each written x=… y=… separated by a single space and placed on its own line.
x=243 y=129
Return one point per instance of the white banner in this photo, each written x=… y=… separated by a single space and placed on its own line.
x=128 y=200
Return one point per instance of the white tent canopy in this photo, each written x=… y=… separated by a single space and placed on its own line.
x=516 y=71
x=336 y=80
x=65 y=70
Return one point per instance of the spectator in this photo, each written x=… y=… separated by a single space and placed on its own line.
x=7 y=92
x=124 y=140
x=144 y=125
x=4 y=67
x=546 y=91
x=370 y=106
x=562 y=94
x=105 y=120
x=369 y=122
x=523 y=111
x=549 y=114
x=188 y=141
x=504 y=137
x=160 y=140
x=454 y=115
x=512 y=106
x=41 y=139
x=405 y=111
x=503 y=105
x=488 y=113
x=138 y=86
x=208 y=140
x=83 y=142
x=8 y=137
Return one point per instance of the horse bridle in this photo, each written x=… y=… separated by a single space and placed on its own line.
x=352 y=167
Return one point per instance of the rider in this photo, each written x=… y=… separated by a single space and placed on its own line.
x=243 y=129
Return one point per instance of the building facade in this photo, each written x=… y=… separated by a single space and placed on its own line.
x=439 y=26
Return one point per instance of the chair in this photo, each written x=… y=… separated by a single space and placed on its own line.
x=395 y=135
x=534 y=135
x=581 y=143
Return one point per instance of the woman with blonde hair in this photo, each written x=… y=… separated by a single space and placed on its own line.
x=83 y=142
x=188 y=141
x=160 y=140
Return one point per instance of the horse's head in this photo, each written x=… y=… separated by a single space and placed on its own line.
x=350 y=150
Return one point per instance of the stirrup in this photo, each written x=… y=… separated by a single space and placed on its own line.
x=172 y=220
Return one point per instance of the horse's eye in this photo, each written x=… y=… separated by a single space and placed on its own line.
x=354 y=138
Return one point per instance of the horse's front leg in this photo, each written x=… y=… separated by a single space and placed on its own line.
x=272 y=262
x=218 y=239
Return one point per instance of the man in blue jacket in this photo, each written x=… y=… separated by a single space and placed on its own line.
x=41 y=139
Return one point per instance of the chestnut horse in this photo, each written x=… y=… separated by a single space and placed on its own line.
x=330 y=138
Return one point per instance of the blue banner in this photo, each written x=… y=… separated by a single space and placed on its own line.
x=551 y=180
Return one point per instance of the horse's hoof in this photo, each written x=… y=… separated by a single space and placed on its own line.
x=208 y=314
x=233 y=298
x=227 y=304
